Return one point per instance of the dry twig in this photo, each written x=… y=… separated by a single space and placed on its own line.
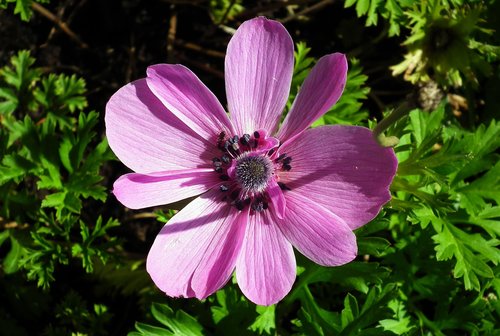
x=62 y=25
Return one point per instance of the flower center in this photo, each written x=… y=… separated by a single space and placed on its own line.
x=247 y=165
x=253 y=172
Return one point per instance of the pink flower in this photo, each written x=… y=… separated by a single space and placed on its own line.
x=263 y=188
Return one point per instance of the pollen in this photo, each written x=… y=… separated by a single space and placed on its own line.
x=253 y=172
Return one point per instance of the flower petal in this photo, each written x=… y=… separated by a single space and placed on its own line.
x=137 y=191
x=195 y=252
x=217 y=266
x=321 y=90
x=316 y=232
x=277 y=198
x=266 y=267
x=343 y=169
x=258 y=70
x=147 y=137
x=181 y=91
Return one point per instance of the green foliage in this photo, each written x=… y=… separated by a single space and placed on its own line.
x=178 y=324
x=435 y=179
x=74 y=317
x=446 y=42
x=427 y=265
x=222 y=10
x=21 y=7
x=391 y=10
x=49 y=168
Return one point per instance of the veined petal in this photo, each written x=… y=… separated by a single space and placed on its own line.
x=266 y=267
x=321 y=89
x=137 y=191
x=217 y=266
x=258 y=70
x=195 y=252
x=147 y=137
x=343 y=169
x=277 y=198
x=316 y=232
x=181 y=91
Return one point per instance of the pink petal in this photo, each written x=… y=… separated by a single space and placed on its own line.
x=266 y=268
x=343 y=169
x=316 y=232
x=137 y=191
x=217 y=266
x=277 y=198
x=147 y=137
x=195 y=252
x=258 y=69
x=189 y=99
x=321 y=90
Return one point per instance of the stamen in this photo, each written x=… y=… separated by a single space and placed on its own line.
x=279 y=158
x=239 y=205
x=259 y=205
x=249 y=174
x=220 y=140
x=245 y=139
x=235 y=194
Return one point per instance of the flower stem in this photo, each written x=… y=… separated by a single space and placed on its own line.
x=398 y=113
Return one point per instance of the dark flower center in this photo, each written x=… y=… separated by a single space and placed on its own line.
x=253 y=172
x=246 y=166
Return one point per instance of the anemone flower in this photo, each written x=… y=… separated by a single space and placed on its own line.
x=262 y=187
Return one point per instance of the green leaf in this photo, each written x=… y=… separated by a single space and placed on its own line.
x=20 y=75
x=372 y=311
x=149 y=330
x=362 y=7
x=481 y=144
x=180 y=323
x=265 y=322
x=3 y=236
x=372 y=245
x=11 y=261
x=23 y=8
x=356 y=275
x=455 y=243
x=14 y=166
x=372 y=18
x=69 y=91
x=9 y=101
x=54 y=200
x=350 y=311
x=401 y=323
